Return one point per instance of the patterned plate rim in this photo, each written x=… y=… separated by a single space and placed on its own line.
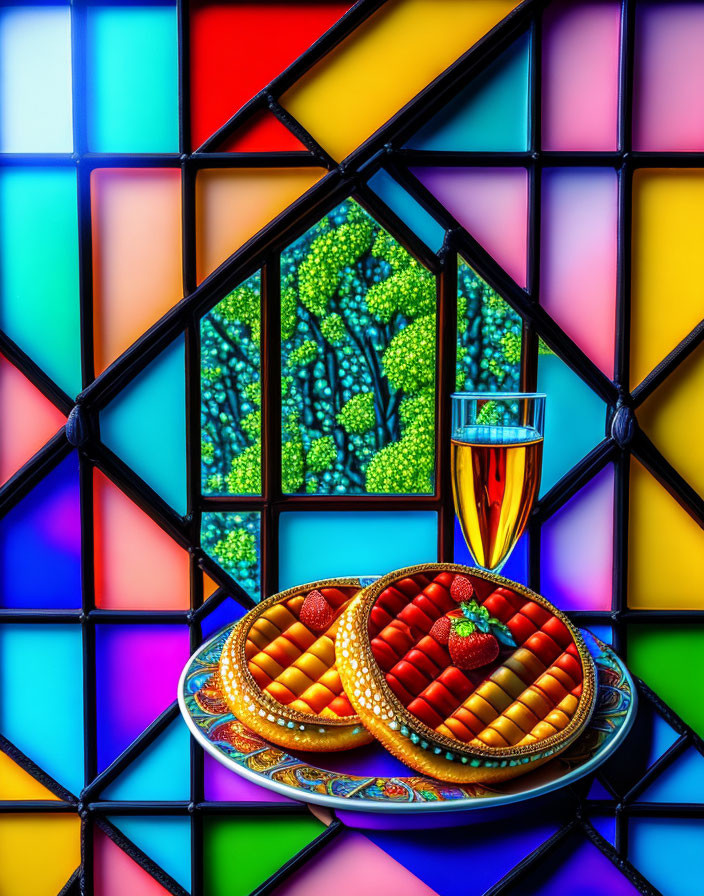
x=448 y=803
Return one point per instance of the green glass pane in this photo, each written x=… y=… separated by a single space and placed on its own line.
x=319 y=545
x=39 y=293
x=358 y=361
x=666 y=658
x=239 y=854
x=233 y=541
x=230 y=374
x=489 y=337
x=132 y=79
x=146 y=425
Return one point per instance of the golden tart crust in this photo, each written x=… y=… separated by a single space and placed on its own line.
x=280 y=679
x=483 y=726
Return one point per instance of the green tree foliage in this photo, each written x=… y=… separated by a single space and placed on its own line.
x=358 y=333
x=232 y=539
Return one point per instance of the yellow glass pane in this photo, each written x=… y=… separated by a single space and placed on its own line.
x=17 y=784
x=668 y=263
x=665 y=549
x=137 y=273
x=673 y=419
x=234 y=204
x=38 y=853
x=382 y=65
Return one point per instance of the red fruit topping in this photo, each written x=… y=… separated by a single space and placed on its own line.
x=461 y=589
x=472 y=651
x=441 y=630
x=316 y=613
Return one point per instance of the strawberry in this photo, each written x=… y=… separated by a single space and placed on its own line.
x=316 y=613
x=441 y=630
x=461 y=589
x=469 y=648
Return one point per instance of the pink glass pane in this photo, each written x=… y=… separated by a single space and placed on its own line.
x=115 y=873
x=491 y=204
x=580 y=76
x=668 y=89
x=578 y=257
x=576 y=548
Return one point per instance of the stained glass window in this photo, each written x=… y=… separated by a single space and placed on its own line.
x=247 y=251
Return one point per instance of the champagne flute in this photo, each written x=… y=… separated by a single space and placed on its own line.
x=497 y=452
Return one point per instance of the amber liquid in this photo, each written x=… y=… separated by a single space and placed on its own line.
x=495 y=479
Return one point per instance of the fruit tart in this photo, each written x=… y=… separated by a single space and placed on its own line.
x=279 y=674
x=464 y=675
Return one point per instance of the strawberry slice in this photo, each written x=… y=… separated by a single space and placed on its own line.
x=316 y=613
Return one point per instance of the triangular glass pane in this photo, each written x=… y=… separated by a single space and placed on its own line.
x=165 y=839
x=146 y=425
x=17 y=784
x=263 y=132
x=490 y=114
x=40 y=544
x=598 y=792
x=225 y=613
x=409 y=210
x=606 y=826
x=575 y=418
x=115 y=873
x=161 y=772
x=681 y=782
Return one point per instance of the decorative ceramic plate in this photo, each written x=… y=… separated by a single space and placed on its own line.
x=369 y=779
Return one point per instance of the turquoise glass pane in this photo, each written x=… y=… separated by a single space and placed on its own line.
x=39 y=293
x=146 y=425
x=40 y=544
x=165 y=839
x=230 y=384
x=575 y=419
x=680 y=782
x=316 y=545
x=603 y=632
x=408 y=210
x=125 y=656
x=662 y=737
x=357 y=361
x=161 y=772
x=51 y=734
x=35 y=79
x=132 y=78
x=668 y=851
x=490 y=114
x=233 y=541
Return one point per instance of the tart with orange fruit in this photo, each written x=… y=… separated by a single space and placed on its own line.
x=464 y=675
x=279 y=673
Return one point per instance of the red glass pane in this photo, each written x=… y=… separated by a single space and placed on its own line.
x=262 y=133
x=237 y=50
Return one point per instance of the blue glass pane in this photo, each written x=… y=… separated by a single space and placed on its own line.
x=233 y=541
x=516 y=567
x=449 y=860
x=231 y=420
x=603 y=632
x=606 y=825
x=316 y=545
x=132 y=79
x=662 y=738
x=161 y=772
x=575 y=419
x=490 y=113
x=146 y=425
x=680 y=782
x=165 y=839
x=598 y=792
x=40 y=544
x=35 y=79
x=408 y=210
x=228 y=611
x=52 y=733
x=668 y=851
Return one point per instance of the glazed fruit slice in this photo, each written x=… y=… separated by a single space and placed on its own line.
x=280 y=675
x=482 y=723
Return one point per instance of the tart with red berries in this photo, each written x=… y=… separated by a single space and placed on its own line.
x=279 y=673
x=464 y=675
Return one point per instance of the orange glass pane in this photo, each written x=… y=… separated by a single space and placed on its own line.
x=660 y=528
x=137 y=565
x=209 y=586
x=232 y=205
x=29 y=419
x=672 y=419
x=137 y=273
